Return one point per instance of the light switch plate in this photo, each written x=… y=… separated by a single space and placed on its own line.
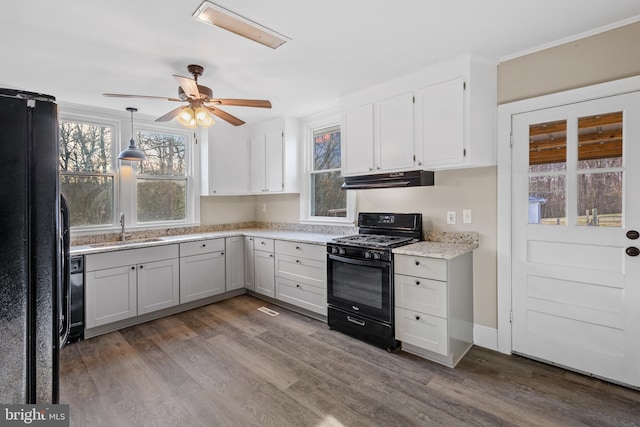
x=451 y=217
x=466 y=216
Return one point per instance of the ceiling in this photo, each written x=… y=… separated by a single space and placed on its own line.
x=77 y=49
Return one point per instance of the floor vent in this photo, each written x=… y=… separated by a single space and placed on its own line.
x=268 y=311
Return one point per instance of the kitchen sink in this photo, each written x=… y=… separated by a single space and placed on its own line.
x=126 y=242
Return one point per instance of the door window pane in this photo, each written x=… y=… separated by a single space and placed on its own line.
x=600 y=199
x=600 y=141
x=547 y=199
x=548 y=146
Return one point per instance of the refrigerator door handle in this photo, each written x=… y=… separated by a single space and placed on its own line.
x=64 y=290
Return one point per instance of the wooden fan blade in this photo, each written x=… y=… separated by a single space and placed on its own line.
x=170 y=115
x=260 y=103
x=122 y=95
x=225 y=116
x=189 y=86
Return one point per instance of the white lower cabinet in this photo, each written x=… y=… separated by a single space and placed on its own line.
x=264 y=265
x=127 y=283
x=234 y=248
x=249 y=263
x=202 y=269
x=434 y=306
x=301 y=275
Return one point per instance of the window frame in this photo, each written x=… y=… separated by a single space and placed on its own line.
x=309 y=125
x=124 y=172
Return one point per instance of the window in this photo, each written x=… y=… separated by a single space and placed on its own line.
x=86 y=172
x=322 y=199
x=161 y=182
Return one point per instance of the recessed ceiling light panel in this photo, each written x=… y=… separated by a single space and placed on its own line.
x=213 y=14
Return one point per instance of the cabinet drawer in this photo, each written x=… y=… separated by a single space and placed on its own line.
x=302 y=295
x=302 y=269
x=420 y=294
x=422 y=330
x=261 y=244
x=430 y=268
x=304 y=250
x=201 y=247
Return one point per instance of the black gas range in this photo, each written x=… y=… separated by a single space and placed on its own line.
x=360 y=276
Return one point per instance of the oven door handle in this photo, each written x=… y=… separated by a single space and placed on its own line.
x=355 y=261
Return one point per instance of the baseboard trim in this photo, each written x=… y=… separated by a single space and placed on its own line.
x=485 y=336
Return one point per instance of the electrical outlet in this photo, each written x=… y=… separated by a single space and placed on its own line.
x=451 y=217
x=466 y=216
x=264 y=207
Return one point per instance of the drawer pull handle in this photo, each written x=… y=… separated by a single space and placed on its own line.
x=356 y=321
x=417 y=317
x=298 y=248
x=133 y=267
x=298 y=261
x=141 y=267
x=270 y=255
x=221 y=253
x=298 y=286
x=417 y=262
x=262 y=243
x=418 y=282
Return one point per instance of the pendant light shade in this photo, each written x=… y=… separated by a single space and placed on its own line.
x=132 y=153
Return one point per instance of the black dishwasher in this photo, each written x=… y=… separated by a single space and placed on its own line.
x=76 y=292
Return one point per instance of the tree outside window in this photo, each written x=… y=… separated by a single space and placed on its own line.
x=86 y=172
x=327 y=198
x=161 y=181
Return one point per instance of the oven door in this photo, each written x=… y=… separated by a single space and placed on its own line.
x=360 y=286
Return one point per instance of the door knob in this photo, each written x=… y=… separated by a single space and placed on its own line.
x=632 y=251
x=632 y=234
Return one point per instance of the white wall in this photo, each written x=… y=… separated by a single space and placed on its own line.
x=227 y=209
x=278 y=208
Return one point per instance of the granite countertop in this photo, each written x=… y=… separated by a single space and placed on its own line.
x=441 y=250
x=296 y=236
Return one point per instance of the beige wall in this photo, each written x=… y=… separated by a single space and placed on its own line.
x=603 y=57
x=455 y=190
x=278 y=208
x=227 y=209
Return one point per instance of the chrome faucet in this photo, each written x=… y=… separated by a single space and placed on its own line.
x=123 y=236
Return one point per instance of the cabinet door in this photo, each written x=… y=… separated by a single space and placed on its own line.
x=201 y=276
x=229 y=163
x=357 y=140
x=395 y=128
x=265 y=273
x=440 y=123
x=258 y=163
x=249 y=263
x=110 y=295
x=234 y=262
x=158 y=285
x=274 y=156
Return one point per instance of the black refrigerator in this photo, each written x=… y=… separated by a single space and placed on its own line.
x=34 y=248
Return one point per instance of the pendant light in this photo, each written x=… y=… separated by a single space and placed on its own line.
x=132 y=153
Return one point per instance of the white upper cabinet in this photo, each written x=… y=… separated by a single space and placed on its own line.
x=440 y=117
x=274 y=157
x=357 y=129
x=228 y=161
x=394 y=137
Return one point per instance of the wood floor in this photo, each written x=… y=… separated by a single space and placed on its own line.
x=228 y=364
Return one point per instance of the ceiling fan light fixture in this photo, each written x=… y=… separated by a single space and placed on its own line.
x=218 y=16
x=186 y=118
x=132 y=153
x=203 y=118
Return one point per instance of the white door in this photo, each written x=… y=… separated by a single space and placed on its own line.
x=575 y=205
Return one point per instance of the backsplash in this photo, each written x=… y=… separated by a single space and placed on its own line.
x=145 y=234
x=464 y=237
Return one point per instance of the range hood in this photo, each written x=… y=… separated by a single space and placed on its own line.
x=415 y=178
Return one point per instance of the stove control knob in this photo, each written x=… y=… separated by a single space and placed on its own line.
x=367 y=254
x=376 y=255
x=341 y=251
x=334 y=250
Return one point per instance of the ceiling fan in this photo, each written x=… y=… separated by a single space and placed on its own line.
x=201 y=103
